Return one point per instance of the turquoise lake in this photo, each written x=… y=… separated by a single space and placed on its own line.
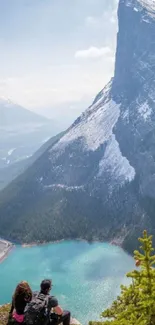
x=86 y=277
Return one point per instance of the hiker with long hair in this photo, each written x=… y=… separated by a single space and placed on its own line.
x=22 y=296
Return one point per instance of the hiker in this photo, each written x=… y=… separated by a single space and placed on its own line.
x=44 y=309
x=22 y=296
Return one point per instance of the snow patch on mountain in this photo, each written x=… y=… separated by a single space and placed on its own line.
x=94 y=129
x=63 y=186
x=135 y=9
x=10 y=152
x=151 y=94
x=5 y=101
x=149 y=5
x=145 y=111
x=125 y=116
x=104 y=93
x=114 y=163
x=139 y=5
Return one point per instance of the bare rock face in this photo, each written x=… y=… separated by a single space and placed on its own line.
x=98 y=180
x=74 y=321
x=4 y=313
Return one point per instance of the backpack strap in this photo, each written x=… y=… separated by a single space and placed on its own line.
x=47 y=310
x=45 y=298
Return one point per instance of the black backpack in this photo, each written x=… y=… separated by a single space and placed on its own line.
x=36 y=312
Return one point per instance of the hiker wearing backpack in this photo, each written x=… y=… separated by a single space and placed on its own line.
x=22 y=296
x=44 y=308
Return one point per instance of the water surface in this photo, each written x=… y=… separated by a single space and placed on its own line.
x=86 y=277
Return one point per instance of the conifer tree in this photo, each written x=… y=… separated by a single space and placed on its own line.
x=136 y=303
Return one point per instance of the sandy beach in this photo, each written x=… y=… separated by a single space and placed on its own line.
x=5 y=248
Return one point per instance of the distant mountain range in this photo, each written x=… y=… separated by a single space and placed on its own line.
x=22 y=132
x=97 y=181
x=9 y=173
x=13 y=115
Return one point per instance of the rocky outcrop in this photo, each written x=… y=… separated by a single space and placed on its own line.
x=4 y=312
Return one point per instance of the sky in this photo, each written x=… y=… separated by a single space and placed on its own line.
x=56 y=55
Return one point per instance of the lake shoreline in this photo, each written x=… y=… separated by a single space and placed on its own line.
x=5 y=249
x=33 y=244
x=114 y=242
x=77 y=269
x=10 y=246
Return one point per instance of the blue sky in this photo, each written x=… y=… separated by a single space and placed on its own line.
x=56 y=54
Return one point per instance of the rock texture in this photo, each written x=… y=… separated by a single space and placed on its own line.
x=4 y=312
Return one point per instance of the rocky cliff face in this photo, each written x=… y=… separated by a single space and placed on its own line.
x=133 y=87
x=98 y=180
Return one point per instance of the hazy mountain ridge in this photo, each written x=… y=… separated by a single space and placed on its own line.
x=97 y=181
x=13 y=115
x=22 y=132
x=9 y=173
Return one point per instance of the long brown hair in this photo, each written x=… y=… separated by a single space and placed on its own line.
x=23 y=291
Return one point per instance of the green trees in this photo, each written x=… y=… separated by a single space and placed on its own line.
x=136 y=303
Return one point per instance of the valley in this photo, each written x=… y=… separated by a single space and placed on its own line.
x=22 y=134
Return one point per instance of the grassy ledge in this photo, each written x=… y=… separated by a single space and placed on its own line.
x=4 y=312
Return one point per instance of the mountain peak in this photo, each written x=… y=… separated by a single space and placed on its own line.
x=4 y=100
x=11 y=112
x=149 y=5
x=135 y=59
x=138 y=5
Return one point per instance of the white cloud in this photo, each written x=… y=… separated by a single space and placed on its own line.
x=90 y=20
x=113 y=20
x=93 y=53
x=45 y=74
x=59 y=86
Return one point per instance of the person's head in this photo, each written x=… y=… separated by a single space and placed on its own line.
x=46 y=286
x=23 y=291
